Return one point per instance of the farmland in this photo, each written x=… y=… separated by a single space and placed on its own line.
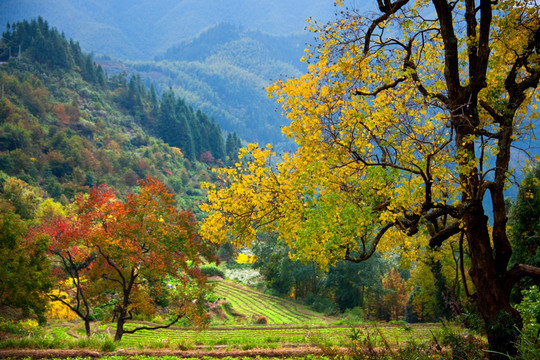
x=248 y=304
x=290 y=330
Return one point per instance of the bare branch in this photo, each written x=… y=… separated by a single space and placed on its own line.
x=388 y=9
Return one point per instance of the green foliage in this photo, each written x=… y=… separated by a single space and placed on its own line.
x=524 y=222
x=462 y=346
x=224 y=72
x=346 y=285
x=24 y=269
x=530 y=310
x=528 y=347
x=46 y=46
x=284 y=276
x=212 y=270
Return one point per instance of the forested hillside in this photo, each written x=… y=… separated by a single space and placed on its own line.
x=224 y=71
x=65 y=126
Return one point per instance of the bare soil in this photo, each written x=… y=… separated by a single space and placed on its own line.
x=133 y=354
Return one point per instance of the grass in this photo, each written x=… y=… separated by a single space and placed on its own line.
x=234 y=337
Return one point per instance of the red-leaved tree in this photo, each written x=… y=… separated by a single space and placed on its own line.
x=136 y=254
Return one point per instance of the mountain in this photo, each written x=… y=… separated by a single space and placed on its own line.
x=65 y=127
x=224 y=71
x=142 y=29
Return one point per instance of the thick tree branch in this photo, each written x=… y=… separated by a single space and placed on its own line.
x=132 y=331
x=366 y=255
x=437 y=239
x=451 y=53
x=382 y=88
x=519 y=271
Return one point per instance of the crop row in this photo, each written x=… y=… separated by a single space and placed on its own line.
x=253 y=303
x=273 y=299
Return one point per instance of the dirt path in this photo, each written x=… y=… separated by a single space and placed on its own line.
x=132 y=354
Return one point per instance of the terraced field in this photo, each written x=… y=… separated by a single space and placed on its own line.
x=251 y=304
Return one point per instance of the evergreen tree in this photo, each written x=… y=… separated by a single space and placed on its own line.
x=173 y=125
x=232 y=145
x=216 y=141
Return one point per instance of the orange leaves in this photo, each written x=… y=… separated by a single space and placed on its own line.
x=125 y=247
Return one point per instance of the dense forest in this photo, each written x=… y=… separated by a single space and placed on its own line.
x=66 y=126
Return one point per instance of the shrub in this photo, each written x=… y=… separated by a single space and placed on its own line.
x=261 y=320
x=212 y=270
x=530 y=310
x=463 y=346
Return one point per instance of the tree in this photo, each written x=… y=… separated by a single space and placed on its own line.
x=354 y=283
x=68 y=244
x=24 y=269
x=24 y=198
x=395 y=298
x=138 y=244
x=524 y=222
x=123 y=252
x=405 y=120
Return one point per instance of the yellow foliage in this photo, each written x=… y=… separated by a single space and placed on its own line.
x=177 y=152
x=28 y=324
x=58 y=310
x=245 y=258
x=375 y=151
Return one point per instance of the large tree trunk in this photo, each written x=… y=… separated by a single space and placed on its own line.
x=502 y=322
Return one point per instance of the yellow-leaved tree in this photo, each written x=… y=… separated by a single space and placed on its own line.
x=404 y=121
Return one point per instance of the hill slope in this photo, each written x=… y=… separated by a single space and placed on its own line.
x=253 y=305
x=224 y=72
x=65 y=127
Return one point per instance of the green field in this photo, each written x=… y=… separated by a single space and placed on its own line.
x=266 y=336
x=248 y=305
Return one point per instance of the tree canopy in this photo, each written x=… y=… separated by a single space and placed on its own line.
x=123 y=253
x=404 y=124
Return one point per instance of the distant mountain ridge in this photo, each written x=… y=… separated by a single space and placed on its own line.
x=224 y=71
x=142 y=29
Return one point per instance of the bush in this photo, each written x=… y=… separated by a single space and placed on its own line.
x=529 y=309
x=322 y=304
x=212 y=270
x=353 y=316
x=463 y=346
x=261 y=320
